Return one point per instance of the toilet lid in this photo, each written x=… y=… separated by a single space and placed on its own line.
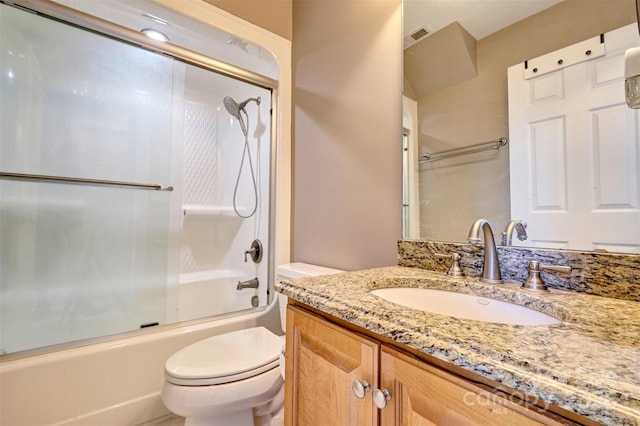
x=225 y=358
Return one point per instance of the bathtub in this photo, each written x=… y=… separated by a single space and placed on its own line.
x=207 y=293
x=114 y=382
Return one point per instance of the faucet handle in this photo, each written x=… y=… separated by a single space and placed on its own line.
x=534 y=280
x=454 y=270
x=255 y=252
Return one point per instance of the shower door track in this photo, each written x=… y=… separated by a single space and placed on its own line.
x=81 y=181
x=94 y=24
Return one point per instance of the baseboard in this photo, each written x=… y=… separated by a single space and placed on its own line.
x=130 y=413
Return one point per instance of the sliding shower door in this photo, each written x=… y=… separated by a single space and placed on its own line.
x=119 y=172
x=80 y=260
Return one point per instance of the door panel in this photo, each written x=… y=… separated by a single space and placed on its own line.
x=575 y=153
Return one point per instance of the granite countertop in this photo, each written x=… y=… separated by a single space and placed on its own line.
x=589 y=363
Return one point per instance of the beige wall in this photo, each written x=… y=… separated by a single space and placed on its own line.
x=448 y=56
x=272 y=15
x=347 y=132
x=455 y=193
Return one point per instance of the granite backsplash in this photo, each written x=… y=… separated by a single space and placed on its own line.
x=613 y=275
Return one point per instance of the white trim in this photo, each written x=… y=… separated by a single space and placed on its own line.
x=410 y=121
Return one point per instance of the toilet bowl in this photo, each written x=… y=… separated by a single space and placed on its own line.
x=236 y=378
x=221 y=379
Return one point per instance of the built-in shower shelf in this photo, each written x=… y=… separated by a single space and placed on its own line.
x=207 y=210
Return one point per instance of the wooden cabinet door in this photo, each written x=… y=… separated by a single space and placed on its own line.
x=322 y=361
x=425 y=395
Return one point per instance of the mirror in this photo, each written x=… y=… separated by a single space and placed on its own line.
x=456 y=95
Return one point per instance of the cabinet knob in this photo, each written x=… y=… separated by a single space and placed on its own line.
x=380 y=397
x=360 y=388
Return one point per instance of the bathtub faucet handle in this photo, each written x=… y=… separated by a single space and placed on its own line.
x=255 y=251
x=246 y=252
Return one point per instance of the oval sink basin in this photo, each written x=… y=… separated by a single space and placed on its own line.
x=464 y=306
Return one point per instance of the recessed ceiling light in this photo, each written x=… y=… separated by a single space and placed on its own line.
x=155 y=34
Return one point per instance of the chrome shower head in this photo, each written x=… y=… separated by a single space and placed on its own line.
x=232 y=106
x=235 y=108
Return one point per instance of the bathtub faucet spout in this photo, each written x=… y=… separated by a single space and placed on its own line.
x=253 y=283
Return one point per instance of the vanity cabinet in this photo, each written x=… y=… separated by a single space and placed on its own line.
x=335 y=376
x=322 y=362
x=422 y=394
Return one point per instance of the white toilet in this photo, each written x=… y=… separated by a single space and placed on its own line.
x=236 y=378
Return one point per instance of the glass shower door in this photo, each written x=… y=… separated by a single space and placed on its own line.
x=130 y=196
x=80 y=261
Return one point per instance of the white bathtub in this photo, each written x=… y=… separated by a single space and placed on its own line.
x=116 y=382
x=207 y=293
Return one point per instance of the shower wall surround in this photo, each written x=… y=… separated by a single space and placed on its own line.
x=612 y=275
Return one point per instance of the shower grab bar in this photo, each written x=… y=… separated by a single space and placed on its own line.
x=463 y=150
x=80 y=181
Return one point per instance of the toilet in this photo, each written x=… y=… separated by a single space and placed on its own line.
x=236 y=378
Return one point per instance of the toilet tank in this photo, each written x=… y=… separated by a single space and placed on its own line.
x=297 y=270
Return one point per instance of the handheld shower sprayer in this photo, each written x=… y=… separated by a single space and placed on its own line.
x=235 y=109
x=231 y=106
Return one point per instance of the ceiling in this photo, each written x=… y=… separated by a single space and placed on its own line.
x=479 y=17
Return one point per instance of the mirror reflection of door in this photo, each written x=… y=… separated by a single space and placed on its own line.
x=575 y=148
x=405 y=183
x=410 y=197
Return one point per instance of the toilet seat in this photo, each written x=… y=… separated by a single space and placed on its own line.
x=225 y=358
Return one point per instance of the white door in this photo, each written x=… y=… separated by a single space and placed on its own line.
x=575 y=147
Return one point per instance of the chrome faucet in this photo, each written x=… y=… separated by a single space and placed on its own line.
x=520 y=227
x=491 y=267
